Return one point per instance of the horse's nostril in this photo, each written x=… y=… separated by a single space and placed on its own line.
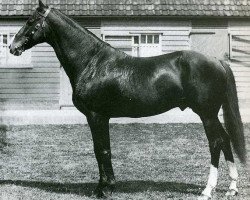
x=9 y=46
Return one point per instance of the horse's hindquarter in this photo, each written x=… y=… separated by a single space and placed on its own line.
x=133 y=87
x=203 y=80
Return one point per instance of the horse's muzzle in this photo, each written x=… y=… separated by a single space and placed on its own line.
x=17 y=51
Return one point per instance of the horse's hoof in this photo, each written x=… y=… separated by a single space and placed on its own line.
x=231 y=192
x=104 y=192
x=98 y=194
x=204 y=197
x=108 y=190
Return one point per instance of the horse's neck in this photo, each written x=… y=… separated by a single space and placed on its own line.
x=73 y=45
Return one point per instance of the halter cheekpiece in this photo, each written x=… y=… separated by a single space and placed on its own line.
x=46 y=12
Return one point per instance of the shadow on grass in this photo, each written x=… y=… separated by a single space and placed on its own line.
x=85 y=189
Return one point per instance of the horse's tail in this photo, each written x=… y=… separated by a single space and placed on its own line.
x=231 y=114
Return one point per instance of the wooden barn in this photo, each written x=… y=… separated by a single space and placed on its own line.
x=218 y=28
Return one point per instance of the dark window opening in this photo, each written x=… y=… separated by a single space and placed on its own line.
x=136 y=39
x=150 y=39
x=143 y=39
x=156 y=39
x=5 y=40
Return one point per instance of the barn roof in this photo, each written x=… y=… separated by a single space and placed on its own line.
x=217 y=8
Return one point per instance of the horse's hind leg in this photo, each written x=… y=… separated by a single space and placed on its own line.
x=224 y=141
x=212 y=129
x=219 y=140
x=99 y=126
x=227 y=150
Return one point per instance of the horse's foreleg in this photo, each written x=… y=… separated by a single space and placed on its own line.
x=99 y=126
x=212 y=132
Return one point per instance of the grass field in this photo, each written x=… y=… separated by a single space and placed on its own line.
x=153 y=161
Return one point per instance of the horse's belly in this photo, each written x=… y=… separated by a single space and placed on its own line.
x=124 y=107
x=140 y=111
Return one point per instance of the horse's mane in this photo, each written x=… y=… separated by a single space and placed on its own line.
x=78 y=27
x=99 y=43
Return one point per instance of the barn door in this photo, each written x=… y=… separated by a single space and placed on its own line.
x=213 y=43
x=210 y=37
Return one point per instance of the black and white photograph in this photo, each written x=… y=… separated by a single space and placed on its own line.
x=124 y=99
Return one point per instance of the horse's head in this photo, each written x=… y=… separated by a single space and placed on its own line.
x=32 y=33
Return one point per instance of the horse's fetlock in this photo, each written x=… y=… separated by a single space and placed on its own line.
x=105 y=181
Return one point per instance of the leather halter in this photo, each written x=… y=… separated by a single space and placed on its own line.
x=40 y=25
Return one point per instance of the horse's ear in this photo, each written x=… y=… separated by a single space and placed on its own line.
x=41 y=7
x=41 y=4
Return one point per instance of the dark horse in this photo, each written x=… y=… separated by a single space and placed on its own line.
x=109 y=83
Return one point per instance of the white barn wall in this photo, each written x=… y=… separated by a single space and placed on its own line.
x=175 y=34
x=35 y=86
x=241 y=69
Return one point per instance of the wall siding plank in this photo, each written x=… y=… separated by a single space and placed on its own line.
x=30 y=80
x=40 y=59
x=29 y=96
x=27 y=85
x=28 y=75
x=30 y=91
x=36 y=69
